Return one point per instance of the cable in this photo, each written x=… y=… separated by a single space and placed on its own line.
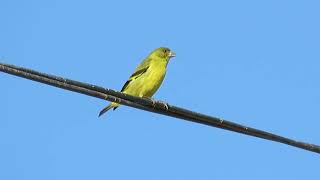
x=149 y=105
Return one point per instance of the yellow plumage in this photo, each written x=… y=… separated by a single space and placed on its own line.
x=148 y=76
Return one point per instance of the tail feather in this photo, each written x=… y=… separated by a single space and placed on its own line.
x=104 y=110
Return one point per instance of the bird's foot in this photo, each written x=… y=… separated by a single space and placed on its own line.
x=164 y=104
x=152 y=101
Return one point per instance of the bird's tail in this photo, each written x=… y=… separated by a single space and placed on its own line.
x=111 y=105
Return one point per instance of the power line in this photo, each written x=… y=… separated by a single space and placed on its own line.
x=149 y=105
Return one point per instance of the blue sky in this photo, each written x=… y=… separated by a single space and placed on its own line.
x=251 y=62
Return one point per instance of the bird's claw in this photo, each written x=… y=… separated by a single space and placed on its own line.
x=164 y=104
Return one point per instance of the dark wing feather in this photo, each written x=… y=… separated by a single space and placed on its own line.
x=138 y=73
x=135 y=75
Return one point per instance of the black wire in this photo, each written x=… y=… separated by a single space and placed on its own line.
x=149 y=105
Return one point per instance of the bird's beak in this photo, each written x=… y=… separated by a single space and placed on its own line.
x=172 y=54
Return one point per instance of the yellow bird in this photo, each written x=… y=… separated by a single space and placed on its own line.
x=147 y=77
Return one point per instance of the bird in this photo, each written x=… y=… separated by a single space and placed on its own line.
x=147 y=77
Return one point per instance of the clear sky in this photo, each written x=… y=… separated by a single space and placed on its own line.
x=252 y=62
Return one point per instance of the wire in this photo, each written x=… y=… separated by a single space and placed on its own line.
x=150 y=105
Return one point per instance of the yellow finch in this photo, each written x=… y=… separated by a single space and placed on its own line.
x=147 y=77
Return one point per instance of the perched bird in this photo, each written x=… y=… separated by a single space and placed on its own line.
x=147 y=77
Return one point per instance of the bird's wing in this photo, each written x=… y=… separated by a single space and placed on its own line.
x=140 y=70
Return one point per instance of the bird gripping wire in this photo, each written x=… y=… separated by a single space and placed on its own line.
x=148 y=105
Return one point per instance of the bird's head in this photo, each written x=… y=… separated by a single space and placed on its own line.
x=163 y=53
